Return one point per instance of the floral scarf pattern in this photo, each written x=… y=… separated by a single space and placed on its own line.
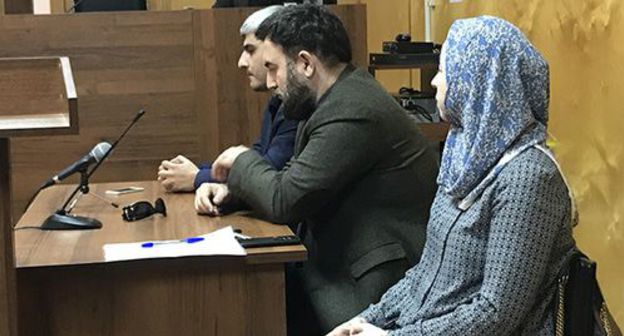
x=496 y=102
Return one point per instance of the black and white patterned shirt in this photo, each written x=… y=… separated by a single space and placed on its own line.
x=492 y=269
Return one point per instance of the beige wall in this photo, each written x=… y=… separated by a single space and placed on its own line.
x=582 y=41
x=387 y=18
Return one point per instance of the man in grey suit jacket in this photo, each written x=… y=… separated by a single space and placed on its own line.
x=361 y=180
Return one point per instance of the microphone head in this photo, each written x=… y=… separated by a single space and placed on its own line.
x=100 y=150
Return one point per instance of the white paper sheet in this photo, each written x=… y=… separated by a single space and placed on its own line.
x=220 y=242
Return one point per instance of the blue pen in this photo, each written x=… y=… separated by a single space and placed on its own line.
x=185 y=240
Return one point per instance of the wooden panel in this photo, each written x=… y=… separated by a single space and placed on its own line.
x=206 y=67
x=121 y=62
x=262 y=286
x=354 y=19
x=242 y=126
x=233 y=84
x=8 y=323
x=161 y=298
x=217 y=75
x=38 y=96
x=181 y=66
x=18 y=6
x=31 y=86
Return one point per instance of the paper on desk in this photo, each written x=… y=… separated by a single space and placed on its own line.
x=220 y=242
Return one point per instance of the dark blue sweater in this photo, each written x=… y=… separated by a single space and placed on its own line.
x=275 y=144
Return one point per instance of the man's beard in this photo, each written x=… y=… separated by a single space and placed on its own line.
x=299 y=101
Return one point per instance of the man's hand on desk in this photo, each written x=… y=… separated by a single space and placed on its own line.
x=222 y=165
x=177 y=174
x=209 y=196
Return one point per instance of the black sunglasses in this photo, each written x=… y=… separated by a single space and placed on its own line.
x=143 y=209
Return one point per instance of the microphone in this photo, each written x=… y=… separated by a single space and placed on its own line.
x=95 y=155
x=61 y=219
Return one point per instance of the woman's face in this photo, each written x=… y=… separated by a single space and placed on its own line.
x=439 y=82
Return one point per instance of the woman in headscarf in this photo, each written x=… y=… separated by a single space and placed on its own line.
x=500 y=229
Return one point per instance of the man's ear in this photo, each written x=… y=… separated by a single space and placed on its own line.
x=308 y=63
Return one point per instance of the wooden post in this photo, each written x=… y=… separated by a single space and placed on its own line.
x=8 y=317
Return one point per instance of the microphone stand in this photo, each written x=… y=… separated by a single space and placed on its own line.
x=61 y=219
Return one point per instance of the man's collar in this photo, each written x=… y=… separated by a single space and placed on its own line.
x=349 y=68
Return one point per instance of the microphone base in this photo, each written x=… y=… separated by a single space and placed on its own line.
x=69 y=222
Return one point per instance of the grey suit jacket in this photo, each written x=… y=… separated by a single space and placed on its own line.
x=362 y=180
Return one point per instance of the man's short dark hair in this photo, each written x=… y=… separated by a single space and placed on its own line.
x=308 y=27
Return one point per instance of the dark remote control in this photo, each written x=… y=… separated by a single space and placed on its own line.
x=268 y=241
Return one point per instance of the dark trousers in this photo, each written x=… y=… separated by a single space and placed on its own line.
x=301 y=319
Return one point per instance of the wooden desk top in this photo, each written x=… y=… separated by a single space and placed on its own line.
x=37 y=248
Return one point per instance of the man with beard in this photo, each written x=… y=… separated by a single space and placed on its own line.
x=361 y=179
x=277 y=135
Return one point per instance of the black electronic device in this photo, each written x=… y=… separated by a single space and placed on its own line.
x=421 y=106
x=62 y=219
x=403 y=44
x=394 y=47
x=268 y=241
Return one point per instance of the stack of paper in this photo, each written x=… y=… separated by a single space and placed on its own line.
x=220 y=242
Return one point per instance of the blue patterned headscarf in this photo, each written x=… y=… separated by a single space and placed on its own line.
x=496 y=101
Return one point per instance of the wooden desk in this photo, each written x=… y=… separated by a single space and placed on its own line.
x=66 y=288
